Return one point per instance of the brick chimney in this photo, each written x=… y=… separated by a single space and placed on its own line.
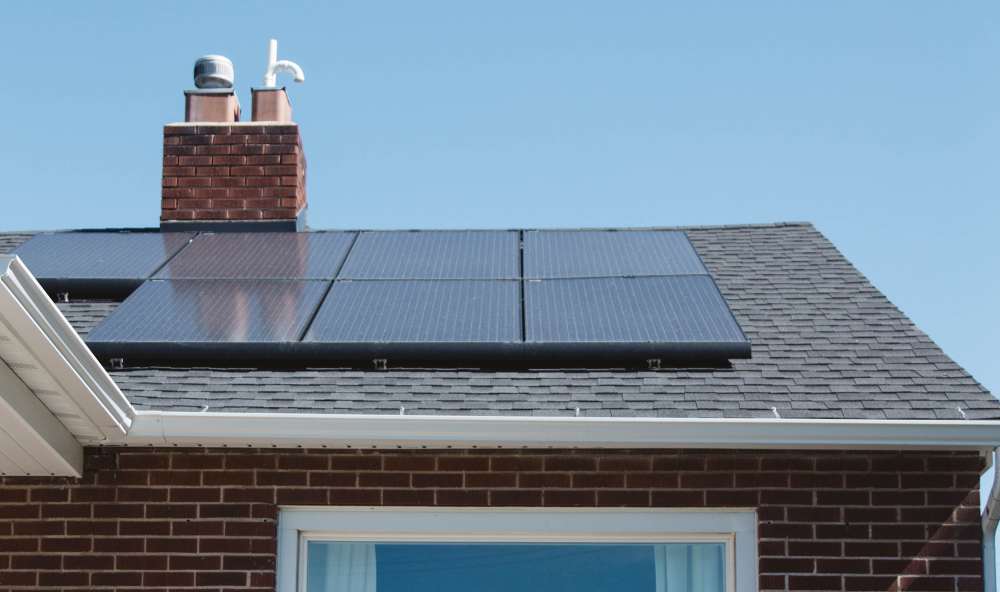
x=233 y=176
x=228 y=175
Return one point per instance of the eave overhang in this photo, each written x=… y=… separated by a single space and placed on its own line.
x=43 y=355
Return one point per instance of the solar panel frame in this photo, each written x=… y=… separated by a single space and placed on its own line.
x=434 y=255
x=262 y=255
x=192 y=318
x=555 y=254
x=418 y=313
x=110 y=264
x=662 y=317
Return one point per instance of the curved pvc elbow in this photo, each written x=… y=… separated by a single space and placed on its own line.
x=292 y=68
x=274 y=66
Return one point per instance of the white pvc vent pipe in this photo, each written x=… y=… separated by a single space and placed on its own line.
x=274 y=66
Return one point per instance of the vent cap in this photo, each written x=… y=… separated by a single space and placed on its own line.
x=213 y=71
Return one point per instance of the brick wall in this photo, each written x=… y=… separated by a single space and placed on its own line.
x=184 y=518
x=232 y=172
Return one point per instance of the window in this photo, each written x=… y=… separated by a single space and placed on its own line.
x=518 y=549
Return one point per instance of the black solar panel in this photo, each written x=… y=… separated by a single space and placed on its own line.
x=420 y=311
x=194 y=311
x=434 y=255
x=261 y=255
x=683 y=309
x=98 y=261
x=605 y=253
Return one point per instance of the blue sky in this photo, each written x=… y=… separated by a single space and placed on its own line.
x=877 y=122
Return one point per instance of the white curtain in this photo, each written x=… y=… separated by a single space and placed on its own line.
x=341 y=567
x=689 y=568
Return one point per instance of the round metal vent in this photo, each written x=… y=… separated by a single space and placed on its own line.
x=213 y=71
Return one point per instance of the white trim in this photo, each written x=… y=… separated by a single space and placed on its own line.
x=290 y=430
x=32 y=441
x=737 y=527
x=44 y=352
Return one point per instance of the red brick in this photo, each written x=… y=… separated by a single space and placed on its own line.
x=408 y=497
x=384 y=479
x=353 y=497
x=167 y=579
x=613 y=498
x=212 y=193
x=866 y=583
x=194 y=182
x=453 y=480
x=60 y=579
x=516 y=497
x=786 y=565
x=246 y=192
x=221 y=578
x=195 y=494
x=195 y=562
x=461 y=497
x=177 y=193
x=494 y=480
x=226 y=160
x=116 y=579
x=232 y=182
x=263 y=181
x=814 y=582
x=264 y=159
x=282 y=192
x=210 y=214
x=301 y=496
x=567 y=498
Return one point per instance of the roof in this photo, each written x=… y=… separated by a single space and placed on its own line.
x=826 y=345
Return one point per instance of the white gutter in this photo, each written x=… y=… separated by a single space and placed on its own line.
x=286 y=430
x=46 y=356
x=991 y=518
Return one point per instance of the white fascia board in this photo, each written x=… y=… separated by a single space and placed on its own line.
x=32 y=441
x=44 y=351
x=285 y=430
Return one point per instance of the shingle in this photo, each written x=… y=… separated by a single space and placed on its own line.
x=826 y=344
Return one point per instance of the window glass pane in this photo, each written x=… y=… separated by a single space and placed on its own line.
x=387 y=567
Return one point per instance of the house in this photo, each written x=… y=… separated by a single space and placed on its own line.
x=174 y=418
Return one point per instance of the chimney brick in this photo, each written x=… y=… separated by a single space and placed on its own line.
x=232 y=171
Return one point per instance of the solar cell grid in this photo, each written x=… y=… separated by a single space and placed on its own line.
x=213 y=311
x=99 y=255
x=419 y=311
x=434 y=255
x=604 y=253
x=261 y=255
x=623 y=310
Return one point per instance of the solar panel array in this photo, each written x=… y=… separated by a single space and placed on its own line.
x=496 y=296
x=98 y=262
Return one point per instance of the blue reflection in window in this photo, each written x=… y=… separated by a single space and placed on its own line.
x=378 y=567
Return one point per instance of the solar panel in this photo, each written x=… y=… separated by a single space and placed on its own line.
x=261 y=255
x=98 y=261
x=606 y=253
x=434 y=255
x=419 y=311
x=677 y=310
x=213 y=311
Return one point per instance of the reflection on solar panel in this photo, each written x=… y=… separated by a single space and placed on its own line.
x=434 y=255
x=420 y=311
x=604 y=253
x=665 y=310
x=193 y=311
x=439 y=297
x=98 y=261
x=267 y=255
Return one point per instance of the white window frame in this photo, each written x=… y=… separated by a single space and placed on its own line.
x=735 y=527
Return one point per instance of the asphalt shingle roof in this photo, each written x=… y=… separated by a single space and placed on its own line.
x=826 y=344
